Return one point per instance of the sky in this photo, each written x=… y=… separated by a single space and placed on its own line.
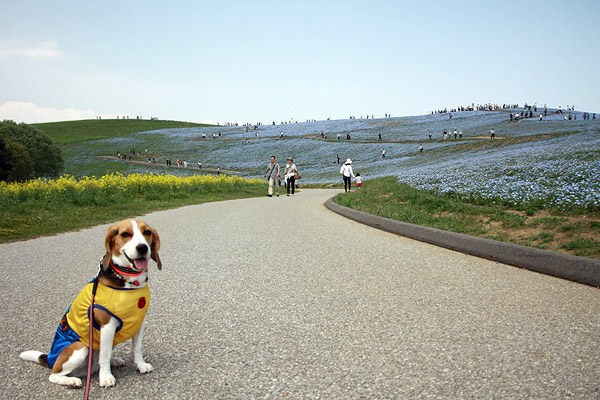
x=264 y=61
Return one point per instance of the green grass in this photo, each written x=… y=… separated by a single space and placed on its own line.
x=67 y=132
x=385 y=197
x=547 y=222
x=41 y=208
x=581 y=246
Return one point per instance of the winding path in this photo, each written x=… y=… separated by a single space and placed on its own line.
x=281 y=298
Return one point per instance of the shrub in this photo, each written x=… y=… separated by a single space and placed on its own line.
x=32 y=152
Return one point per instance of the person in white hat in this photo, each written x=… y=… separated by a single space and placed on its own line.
x=290 y=176
x=347 y=174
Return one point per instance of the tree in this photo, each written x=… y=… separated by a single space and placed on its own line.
x=22 y=165
x=6 y=161
x=33 y=153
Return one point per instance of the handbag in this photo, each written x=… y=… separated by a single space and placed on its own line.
x=296 y=173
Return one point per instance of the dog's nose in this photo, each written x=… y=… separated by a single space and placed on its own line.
x=142 y=248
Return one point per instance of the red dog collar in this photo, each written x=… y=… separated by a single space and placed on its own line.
x=127 y=271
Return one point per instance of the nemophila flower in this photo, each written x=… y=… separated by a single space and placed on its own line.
x=558 y=175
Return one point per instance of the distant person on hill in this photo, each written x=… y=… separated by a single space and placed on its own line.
x=358 y=180
x=347 y=174
x=383 y=154
x=420 y=148
x=493 y=134
x=272 y=174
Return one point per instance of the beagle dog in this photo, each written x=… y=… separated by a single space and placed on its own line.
x=120 y=303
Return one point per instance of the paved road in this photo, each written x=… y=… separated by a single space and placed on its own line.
x=281 y=298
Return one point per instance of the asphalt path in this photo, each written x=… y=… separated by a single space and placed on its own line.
x=282 y=298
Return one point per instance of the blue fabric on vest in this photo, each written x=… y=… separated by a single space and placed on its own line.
x=61 y=340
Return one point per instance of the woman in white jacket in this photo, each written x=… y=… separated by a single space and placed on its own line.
x=348 y=174
x=290 y=175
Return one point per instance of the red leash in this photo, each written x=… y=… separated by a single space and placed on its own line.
x=91 y=343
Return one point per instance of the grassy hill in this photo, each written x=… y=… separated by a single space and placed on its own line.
x=67 y=132
x=535 y=184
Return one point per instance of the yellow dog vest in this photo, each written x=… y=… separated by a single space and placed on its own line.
x=128 y=306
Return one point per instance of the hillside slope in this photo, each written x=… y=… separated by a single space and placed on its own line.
x=80 y=131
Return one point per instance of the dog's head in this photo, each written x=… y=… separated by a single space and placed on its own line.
x=130 y=243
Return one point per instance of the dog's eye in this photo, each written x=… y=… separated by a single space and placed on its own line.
x=147 y=232
x=125 y=234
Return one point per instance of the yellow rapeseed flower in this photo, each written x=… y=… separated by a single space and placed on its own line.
x=116 y=185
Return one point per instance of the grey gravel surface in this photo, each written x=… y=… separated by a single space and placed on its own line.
x=282 y=298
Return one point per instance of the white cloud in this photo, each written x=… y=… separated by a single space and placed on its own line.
x=31 y=113
x=45 y=49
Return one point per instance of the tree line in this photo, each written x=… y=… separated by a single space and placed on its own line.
x=27 y=152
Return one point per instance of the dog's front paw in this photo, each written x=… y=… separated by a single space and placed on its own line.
x=107 y=380
x=144 y=367
x=116 y=362
x=66 y=380
x=74 y=382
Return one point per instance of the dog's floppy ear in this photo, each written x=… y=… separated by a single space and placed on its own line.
x=155 y=247
x=109 y=242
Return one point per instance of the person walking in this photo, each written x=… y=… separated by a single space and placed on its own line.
x=347 y=174
x=290 y=175
x=358 y=180
x=272 y=174
x=383 y=154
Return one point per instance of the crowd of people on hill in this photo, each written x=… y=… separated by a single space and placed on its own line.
x=472 y=107
x=586 y=116
x=129 y=156
x=478 y=107
x=131 y=153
